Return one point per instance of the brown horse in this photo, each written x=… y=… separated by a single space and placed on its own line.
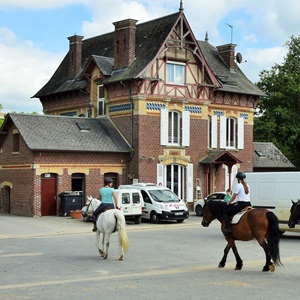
x=257 y=223
x=295 y=214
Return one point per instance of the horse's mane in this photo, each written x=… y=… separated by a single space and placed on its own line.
x=216 y=207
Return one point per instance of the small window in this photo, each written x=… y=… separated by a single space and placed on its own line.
x=101 y=101
x=16 y=142
x=175 y=73
x=125 y=198
x=135 y=198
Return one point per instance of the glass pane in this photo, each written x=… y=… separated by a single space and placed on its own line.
x=179 y=74
x=170 y=73
x=135 y=198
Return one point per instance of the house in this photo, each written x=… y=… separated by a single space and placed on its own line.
x=268 y=158
x=183 y=106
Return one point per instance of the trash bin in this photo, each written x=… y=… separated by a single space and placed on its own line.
x=69 y=201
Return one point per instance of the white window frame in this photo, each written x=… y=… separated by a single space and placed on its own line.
x=168 y=131
x=231 y=134
x=175 y=72
x=101 y=101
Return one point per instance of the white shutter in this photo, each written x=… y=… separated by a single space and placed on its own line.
x=189 y=183
x=240 y=133
x=164 y=126
x=222 y=132
x=214 y=131
x=186 y=128
x=160 y=175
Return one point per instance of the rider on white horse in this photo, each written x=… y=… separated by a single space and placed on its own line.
x=108 y=199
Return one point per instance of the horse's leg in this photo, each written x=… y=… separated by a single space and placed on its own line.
x=106 y=237
x=269 y=266
x=239 y=262
x=98 y=243
x=223 y=261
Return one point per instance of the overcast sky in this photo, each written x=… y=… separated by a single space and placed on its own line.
x=33 y=34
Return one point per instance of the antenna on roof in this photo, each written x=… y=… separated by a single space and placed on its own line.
x=231 y=31
x=181 y=6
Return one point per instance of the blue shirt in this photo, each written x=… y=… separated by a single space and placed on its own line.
x=106 y=195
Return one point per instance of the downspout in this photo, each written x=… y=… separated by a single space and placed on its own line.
x=131 y=132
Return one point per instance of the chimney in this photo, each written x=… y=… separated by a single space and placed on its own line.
x=124 y=47
x=227 y=53
x=75 y=53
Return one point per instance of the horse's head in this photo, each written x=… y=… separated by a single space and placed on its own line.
x=211 y=210
x=295 y=214
x=89 y=199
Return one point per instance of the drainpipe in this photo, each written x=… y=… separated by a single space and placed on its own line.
x=131 y=131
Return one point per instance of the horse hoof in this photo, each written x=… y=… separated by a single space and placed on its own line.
x=238 y=268
x=220 y=266
x=272 y=268
x=121 y=258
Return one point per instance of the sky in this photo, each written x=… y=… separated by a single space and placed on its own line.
x=33 y=35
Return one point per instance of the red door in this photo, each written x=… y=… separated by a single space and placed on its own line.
x=48 y=195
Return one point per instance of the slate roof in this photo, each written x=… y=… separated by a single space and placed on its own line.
x=267 y=155
x=149 y=38
x=61 y=133
x=234 y=82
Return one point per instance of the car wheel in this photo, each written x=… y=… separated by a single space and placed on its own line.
x=137 y=220
x=199 y=210
x=154 y=218
x=180 y=221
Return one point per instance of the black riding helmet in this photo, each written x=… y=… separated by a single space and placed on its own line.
x=107 y=180
x=240 y=175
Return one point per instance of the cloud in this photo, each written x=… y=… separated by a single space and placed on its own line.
x=25 y=70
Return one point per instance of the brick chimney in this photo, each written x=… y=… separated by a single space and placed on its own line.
x=124 y=47
x=227 y=53
x=75 y=53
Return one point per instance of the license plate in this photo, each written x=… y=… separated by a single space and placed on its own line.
x=178 y=213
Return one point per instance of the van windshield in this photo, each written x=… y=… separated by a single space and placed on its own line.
x=163 y=196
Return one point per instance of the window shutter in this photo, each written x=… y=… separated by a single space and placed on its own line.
x=163 y=126
x=214 y=131
x=222 y=132
x=240 y=133
x=160 y=175
x=186 y=128
x=189 y=183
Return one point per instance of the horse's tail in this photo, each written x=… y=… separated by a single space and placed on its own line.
x=121 y=227
x=273 y=237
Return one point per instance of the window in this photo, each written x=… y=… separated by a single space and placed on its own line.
x=175 y=72
x=231 y=132
x=175 y=128
x=101 y=101
x=125 y=198
x=16 y=142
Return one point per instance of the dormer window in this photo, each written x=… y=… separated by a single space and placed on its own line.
x=101 y=101
x=175 y=72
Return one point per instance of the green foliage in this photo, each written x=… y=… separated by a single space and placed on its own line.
x=278 y=114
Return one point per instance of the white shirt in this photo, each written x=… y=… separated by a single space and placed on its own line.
x=240 y=193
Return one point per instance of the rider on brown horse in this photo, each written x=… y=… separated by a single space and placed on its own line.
x=241 y=192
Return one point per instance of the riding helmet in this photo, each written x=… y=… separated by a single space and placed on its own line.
x=240 y=175
x=107 y=180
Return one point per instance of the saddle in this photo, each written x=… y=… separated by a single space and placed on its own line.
x=236 y=218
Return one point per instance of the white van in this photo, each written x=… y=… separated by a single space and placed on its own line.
x=160 y=203
x=274 y=191
x=132 y=204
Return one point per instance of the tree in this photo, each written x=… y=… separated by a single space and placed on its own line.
x=278 y=115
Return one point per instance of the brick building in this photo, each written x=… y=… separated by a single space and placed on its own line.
x=183 y=106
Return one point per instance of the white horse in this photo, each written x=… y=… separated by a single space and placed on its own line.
x=109 y=222
x=90 y=206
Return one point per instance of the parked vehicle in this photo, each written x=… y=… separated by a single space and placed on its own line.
x=130 y=201
x=274 y=191
x=160 y=203
x=198 y=205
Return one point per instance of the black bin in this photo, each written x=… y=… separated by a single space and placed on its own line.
x=69 y=202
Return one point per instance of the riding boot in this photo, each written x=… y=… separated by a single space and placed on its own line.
x=228 y=228
x=95 y=227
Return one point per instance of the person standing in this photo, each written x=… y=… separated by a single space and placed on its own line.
x=227 y=196
x=241 y=193
x=108 y=200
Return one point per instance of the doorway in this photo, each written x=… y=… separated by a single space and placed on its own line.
x=48 y=195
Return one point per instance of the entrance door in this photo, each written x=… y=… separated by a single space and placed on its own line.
x=48 y=195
